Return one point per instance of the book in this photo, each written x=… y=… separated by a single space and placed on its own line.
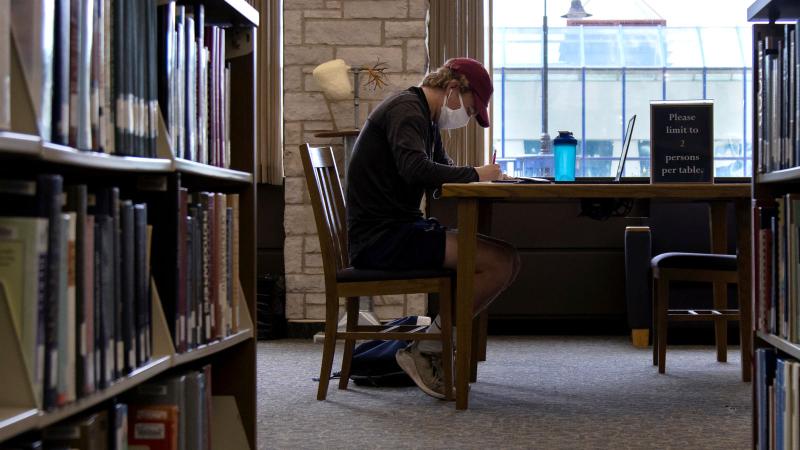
x=66 y=323
x=61 y=73
x=196 y=408
x=48 y=202
x=153 y=427
x=77 y=202
x=128 y=282
x=168 y=392
x=86 y=433
x=142 y=284
x=119 y=427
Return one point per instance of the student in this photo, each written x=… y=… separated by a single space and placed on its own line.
x=398 y=155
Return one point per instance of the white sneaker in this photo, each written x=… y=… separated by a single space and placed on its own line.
x=424 y=368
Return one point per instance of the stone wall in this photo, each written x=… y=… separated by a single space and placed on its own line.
x=360 y=32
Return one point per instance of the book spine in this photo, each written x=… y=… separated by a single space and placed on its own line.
x=128 y=287
x=61 y=73
x=48 y=194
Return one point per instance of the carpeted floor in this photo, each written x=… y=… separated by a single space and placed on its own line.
x=540 y=392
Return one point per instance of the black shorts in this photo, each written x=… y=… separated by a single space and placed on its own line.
x=413 y=245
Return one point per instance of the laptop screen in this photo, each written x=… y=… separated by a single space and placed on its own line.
x=627 y=142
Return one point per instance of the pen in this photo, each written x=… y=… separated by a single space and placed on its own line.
x=494 y=156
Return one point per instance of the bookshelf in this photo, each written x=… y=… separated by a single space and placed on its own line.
x=776 y=223
x=155 y=181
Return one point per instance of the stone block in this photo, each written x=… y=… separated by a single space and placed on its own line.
x=303 y=4
x=292 y=133
x=417 y=9
x=307 y=54
x=375 y=9
x=393 y=42
x=405 y=29
x=357 y=56
x=333 y=5
x=310 y=84
x=311 y=245
x=292 y=79
x=323 y=14
x=292 y=27
x=314 y=270
x=343 y=32
x=312 y=260
x=315 y=312
x=295 y=306
x=293 y=254
x=317 y=125
x=292 y=165
x=315 y=299
x=305 y=283
x=304 y=106
x=416 y=304
x=416 y=56
x=389 y=312
x=296 y=191
x=299 y=220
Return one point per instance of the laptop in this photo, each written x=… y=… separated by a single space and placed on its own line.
x=589 y=180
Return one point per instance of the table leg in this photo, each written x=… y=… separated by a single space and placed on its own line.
x=467 y=229
x=719 y=244
x=743 y=223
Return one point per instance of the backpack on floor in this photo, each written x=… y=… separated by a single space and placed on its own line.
x=374 y=363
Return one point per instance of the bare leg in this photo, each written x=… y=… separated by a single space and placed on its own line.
x=496 y=267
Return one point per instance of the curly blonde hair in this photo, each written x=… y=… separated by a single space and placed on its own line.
x=443 y=75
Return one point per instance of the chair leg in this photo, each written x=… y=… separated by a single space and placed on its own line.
x=720 y=324
x=483 y=334
x=654 y=323
x=473 y=366
x=329 y=346
x=349 y=344
x=446 y=325
x=663 y=306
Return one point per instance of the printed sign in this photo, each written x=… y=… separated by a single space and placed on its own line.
x=682 y=141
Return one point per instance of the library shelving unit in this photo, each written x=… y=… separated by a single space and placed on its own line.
x=775 y=173
x=233 y=358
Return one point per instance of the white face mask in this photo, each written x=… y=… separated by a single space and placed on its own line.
x=450 y=119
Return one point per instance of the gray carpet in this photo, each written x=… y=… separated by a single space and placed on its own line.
x=539 y=392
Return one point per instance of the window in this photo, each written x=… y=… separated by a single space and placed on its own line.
x=600 y=75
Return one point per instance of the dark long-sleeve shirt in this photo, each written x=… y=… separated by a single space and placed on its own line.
x=397 y=155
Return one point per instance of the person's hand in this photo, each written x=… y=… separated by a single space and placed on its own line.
x=489 y=172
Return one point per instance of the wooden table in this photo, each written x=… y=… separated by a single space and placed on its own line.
x=469 y=195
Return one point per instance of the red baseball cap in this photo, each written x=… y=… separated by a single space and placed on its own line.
x=479 y=83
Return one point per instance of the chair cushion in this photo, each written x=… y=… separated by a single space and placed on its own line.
x=351 y=274
x=703 y=261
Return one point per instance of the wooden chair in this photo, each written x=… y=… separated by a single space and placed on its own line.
x=718 y=269
x=341 y=280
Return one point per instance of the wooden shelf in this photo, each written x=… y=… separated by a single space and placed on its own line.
x=212 y=172
x=773 y=10
x=781 y=176
x=135 y=378
x=19 y=144
x=780 y=343
x=235 y=12
x=14 y=421
x=61 y=154
x=206 y=350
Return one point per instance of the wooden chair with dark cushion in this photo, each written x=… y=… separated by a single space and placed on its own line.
x=718 y=269
x=342 y=280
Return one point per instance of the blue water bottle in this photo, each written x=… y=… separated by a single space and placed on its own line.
x=564 y=147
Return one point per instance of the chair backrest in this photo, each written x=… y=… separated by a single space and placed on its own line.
x=327 y=200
